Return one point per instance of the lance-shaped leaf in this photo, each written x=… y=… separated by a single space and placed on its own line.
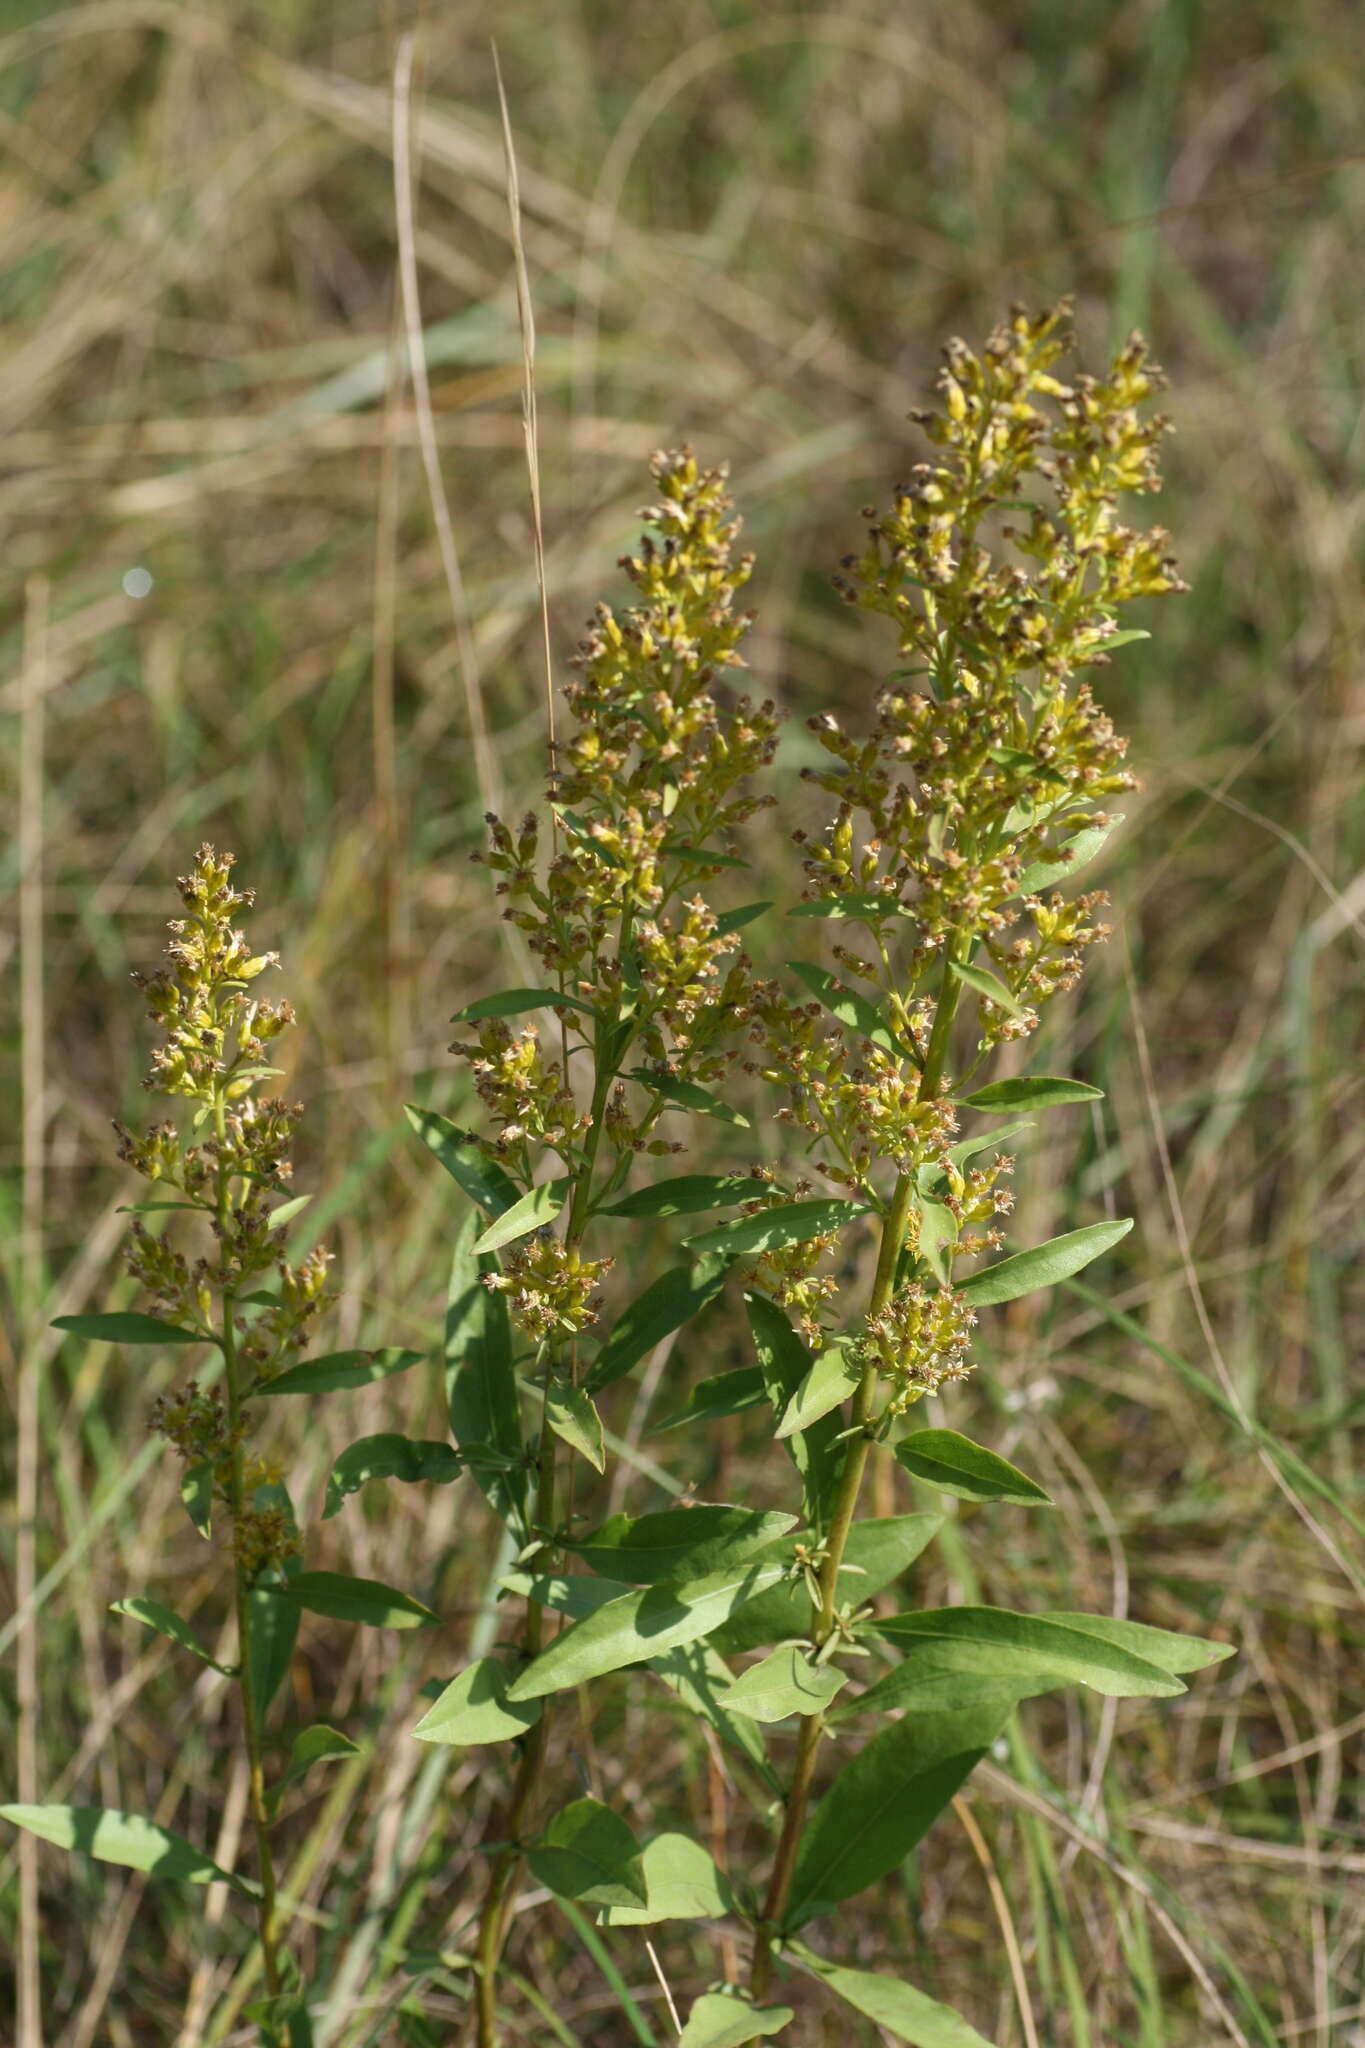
x=1038 y=1091
x=153 y=1615
x=735 y=920
x=938 y=1228
x=876 y=1554
x=1047 y=1263
x=316 y=1745
x=588 y=1853
x=687 y=1095
x=678 y=1294
x=481 y=1384
x=771 y=1229
x=884 y=1801
x=688 y=1194
x=725 y=1393
x=985 y=1141
x=482 y=1179
x=575 y=1595
x=834 y=1375
x=719 y=2020
x=641 y=1625
x=337 y=1371
x=678 y=1543
x=867 y=905
x=700 y=1678
x=784 y=1362
x=988 y=985
x=786 y=1682
x=274 y=1630
x=196 y=1490
x=955 y=1465
x=1002 y=1645
x=539 y=1206
x=1074 y=854
x=364 y=1601
x=515 y=1002
x=474 y=1708
x=129 y=1327
x=388 y=1456
x=681 y=1883
x=847 y=1006
x=127 y=1838
x=1163 y=1647
x=898 y=2007
x=573 y=1418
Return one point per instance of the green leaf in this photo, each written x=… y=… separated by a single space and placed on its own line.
x=769 y=1229
x=273 y=1623
x=287 y=1211
x=572 y=1416
x=316 y=1745
x=896 y=2006
x=678 y=1542
x=988 y=985
x=535 y=1209
x=365 y=1601
x=474 y=1709
x=641 y=1625
x=786 y=1682
x=834 y=1375
x=876 y=1554
x=388 y=1456
x=153 y=1615
x=850 y=1009
x=719 y=2020
x=113 y=1837
x=1002 y=1645
x=703 y=856
x=1160 y=1646
x=725 y=1393
x=784 y=1362
x=687 y=1095
x=482 y=1395
x=128 y=1328
x=985 y=1141
x=1083 y=846
x=954 y=1464
x=1118 y=640
x=1046 y=1264
x=679 y=1293
x=735 y=920
x=514 y=1002
x=575 y=1595
x=482 y=1179
x=196 y=1490
x=1037 y=1091
x=589 y=1854
x=681 y=1883
x=338 y=1370
x=864 y=904
x=701 y=1678
x=884 y=1801
x=937 y=1237
x=688 y=1194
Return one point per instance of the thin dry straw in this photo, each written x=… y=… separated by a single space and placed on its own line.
x=32 y=1027
x=485 y=767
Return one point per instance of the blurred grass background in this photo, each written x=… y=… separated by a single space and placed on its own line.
x=752 y=229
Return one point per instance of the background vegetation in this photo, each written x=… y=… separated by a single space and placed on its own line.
x=752 y=228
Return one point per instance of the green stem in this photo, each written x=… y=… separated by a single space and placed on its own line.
x=246 y=1684
x=846 y=1504
x=495 y=1915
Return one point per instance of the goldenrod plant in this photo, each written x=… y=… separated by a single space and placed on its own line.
x=831 y=1154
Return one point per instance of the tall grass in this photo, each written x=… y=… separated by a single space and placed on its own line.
x=749 y=229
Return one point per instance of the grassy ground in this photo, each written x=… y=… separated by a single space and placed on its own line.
x=748 y=228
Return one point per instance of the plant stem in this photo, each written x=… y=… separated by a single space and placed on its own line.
x=846 y=1503
x=496 y=1912
x=246 y=1684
